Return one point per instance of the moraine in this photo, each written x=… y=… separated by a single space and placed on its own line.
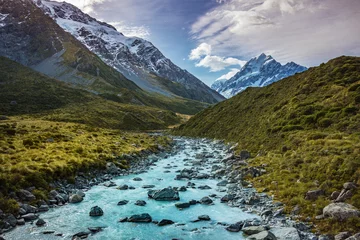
x=198 y=155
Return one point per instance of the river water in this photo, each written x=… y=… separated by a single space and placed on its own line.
x=73 y=218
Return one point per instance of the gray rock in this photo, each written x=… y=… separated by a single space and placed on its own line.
x=342 y=236
x=192 y=202
x=354 y=237
x=123 y=202
x=40 y=222
x=96 y=211
x=222 y=183
x=11 y=220
x=334 y=195
x=145 y=217
x=349 y=186
x=286 y=233
x=314 y=194
x=236 y=227
x=75 y=198
x=204 y=218
x=123 y=187
x=43 y=208
x=182 y=205
x=182 y=189
x=165 y=222
x=30 y=217
x=20 y=222
x=110 y=184
x=265 y=235
x=253 y=230
x=340 y=211
x=148 y=186
x=206 y=201
x=28 y=209
x=204 y=187
x=166 y=194
x=25 y=195
x=95 y=229
x=227 y=197
x=124 y=219
x=140 y=203
x=344 y=195
x=137 y=179
x=111 y=168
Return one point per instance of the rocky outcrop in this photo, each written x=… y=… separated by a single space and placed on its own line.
x=340 y=211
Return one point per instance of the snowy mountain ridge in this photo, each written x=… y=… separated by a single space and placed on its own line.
x=134 y=57
x=257 y=72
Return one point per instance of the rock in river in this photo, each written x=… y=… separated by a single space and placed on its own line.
x=123 y=202
x=206 y=201
x=40 y=222
x=165 y=222
x=96 y=212
x=182 y=205
x=166 y=194
x=75 y=198
x=145 y=217
x=140 y=203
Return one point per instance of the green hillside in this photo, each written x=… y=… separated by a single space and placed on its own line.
x=306 y=128
x=30 y=94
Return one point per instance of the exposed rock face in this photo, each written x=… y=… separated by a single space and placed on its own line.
x=166 y=194
x=139 y=60
x=340 y=211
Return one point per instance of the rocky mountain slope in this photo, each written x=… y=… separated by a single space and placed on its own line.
x=32 y=38
x=304 y=131
x=139 y=60
x=257 y=72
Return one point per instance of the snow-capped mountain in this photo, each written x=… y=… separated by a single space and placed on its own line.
x=139 y=60
x=257 y=72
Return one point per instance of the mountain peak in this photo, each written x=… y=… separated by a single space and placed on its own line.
x=257 y=72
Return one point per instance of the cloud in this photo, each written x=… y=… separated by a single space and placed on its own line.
x=202 y=50
x=216 y=63
x=131 y=31
x=229 y=75
x=305 y=31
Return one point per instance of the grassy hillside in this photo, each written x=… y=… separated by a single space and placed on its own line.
x=32 y=95
x=305 y=128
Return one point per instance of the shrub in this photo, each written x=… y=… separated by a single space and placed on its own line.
x=325 y=122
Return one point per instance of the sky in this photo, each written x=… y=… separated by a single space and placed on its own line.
x=213 y=39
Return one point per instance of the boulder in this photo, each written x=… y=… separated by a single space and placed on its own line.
x=165 y=222
x=124 y=219
x=11 y=220
x=27 y=209
x=30 y=217
x=253 y=230
x=265 y=235
x=227 y=197
x=40 y=222
x=342 y=236
x=137 y=179
x=344 y=195
x=166 y=194
x=123 y=187
x=123 y=202
x=204 y=218
x=140 y=203
x=314 y=194
x=25 y=195
x=206 y=201
x=20 y=222
x=340 y=211
x=182 y=205
x=204 y=187
x=286 y=233
x=236 y=227
x=148 y=186
x=222 y=183
x=334 y=195
x=182 y=189
x=43 y=208
x=145 y=217
x=111 y=168
x=354 y=237
x=349 y=186
x=96 y=212
x=75 y=198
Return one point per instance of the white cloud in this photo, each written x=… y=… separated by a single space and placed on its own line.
x=202 y=50
x=229 y=75
x=216 y=63
x=132 y=31
x=304 y=31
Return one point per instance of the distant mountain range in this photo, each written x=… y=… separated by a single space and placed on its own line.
x=258 y=72
x=137 y=59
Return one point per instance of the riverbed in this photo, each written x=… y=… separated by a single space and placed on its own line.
x=74 y=218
